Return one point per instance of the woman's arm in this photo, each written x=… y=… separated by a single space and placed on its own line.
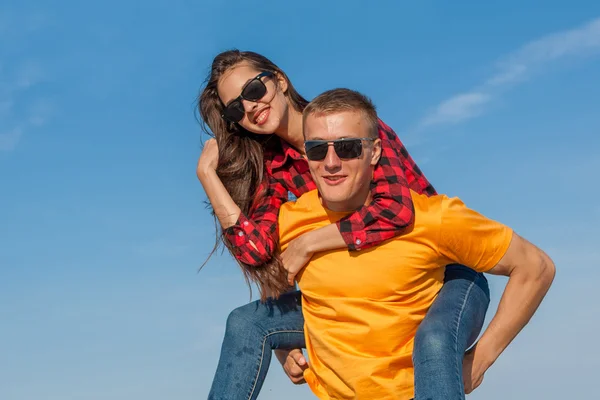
x=253 y=236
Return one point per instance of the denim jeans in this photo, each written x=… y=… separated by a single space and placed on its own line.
x=450 y=327
x=454 y=321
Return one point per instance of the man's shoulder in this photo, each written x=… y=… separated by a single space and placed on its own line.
x=432 y=210
x=439 y=203
x=428 y=206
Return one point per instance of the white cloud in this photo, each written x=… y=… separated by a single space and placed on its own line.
x=510 y=73
x=516 y=67
x=457 y=108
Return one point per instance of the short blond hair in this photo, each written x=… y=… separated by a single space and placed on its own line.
x=340 y=100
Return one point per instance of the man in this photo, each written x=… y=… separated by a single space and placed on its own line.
x=360 y=322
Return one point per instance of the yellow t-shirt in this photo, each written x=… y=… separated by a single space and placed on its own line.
x=362 y=309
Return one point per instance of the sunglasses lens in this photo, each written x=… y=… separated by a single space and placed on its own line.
x=316 y=151
x=345 y=149
x=255 y=90
x=349 y=148
x=234 y=112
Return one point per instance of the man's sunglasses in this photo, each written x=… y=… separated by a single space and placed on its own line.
x=347 y=148
x=253 y=90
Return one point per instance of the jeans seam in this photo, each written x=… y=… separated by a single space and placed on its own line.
x=262 y=355
x=460 y=314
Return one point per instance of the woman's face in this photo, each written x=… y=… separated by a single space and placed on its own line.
x=263 y=116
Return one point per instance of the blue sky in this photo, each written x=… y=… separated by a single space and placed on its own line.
x=102 y=220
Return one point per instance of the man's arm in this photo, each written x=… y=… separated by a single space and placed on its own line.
x=485 y=245
x=294 y=364
x=530 y=273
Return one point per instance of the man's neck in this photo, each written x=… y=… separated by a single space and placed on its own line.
x=347 y=207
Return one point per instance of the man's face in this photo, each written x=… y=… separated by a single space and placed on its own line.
x=344 y=184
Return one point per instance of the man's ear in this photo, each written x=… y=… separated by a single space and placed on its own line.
x=375 y=152
x=282 y=82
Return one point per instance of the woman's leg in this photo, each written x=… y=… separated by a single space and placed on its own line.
x=252 y=332
x=452 y=324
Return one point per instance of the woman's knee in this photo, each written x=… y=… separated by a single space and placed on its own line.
x=434 y=340
x=241 y=320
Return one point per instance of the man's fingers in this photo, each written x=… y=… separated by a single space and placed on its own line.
x=296 y=371
x=298 y=357
x=295 y=365
x=468 y=388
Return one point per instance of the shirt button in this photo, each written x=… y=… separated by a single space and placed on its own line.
x=240 y=234
x=246 y=223
x=358 y=242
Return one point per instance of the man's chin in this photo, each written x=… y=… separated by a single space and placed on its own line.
x=335 y=203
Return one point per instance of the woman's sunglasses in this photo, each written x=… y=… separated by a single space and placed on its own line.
x=347 y=148
x=253 y=90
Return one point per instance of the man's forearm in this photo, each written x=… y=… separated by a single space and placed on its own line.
x=523 y=294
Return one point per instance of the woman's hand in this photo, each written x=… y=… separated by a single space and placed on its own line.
x=301 y=249
x=209 y=158
x=296 y=256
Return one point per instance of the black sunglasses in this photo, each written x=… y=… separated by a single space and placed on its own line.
x=347 y=148
x=253 y=90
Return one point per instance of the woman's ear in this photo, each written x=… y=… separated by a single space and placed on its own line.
x=282 y=82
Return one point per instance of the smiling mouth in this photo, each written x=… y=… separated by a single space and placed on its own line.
x=262 y=116
x=334 y=179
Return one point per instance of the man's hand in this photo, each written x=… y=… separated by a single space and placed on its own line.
x=295 y=257
x=474 y=367
x=293 y=363
x=209 y=158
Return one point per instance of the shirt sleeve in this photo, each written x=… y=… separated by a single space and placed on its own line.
x=254 y=236
x=391 y=209
x=471 y=239
x=414 y=176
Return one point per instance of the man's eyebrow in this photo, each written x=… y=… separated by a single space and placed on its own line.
x=330 y=140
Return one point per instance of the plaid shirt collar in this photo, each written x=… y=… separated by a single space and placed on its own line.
x=288 y=152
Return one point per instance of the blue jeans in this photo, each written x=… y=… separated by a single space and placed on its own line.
x=450 y=327
x=453 y=322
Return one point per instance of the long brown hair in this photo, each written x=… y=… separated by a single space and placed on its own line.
x=241 y=159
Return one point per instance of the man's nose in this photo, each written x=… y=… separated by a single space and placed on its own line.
x=332 y=161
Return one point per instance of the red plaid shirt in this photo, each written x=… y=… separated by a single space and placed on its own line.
x=388 y=214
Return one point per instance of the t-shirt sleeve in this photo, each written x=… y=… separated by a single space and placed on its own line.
x=471 y=239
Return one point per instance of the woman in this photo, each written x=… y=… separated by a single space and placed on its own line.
x=255 y=115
